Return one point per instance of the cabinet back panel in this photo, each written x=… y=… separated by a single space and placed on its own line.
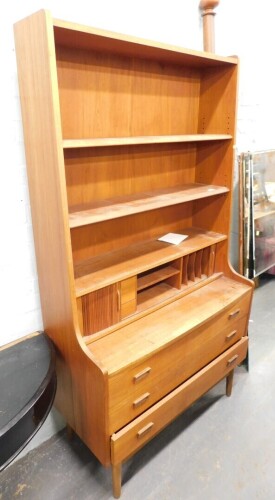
x=104 y=95
x=214 y=163
x=92 y=240
x=100 y=173
x=212 y=214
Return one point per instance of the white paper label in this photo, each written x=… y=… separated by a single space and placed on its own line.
x=173 y=238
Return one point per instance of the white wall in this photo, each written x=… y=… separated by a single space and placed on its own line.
x=176 y=22
x=244 y=28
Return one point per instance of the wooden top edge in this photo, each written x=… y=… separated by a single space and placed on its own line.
x=195 y=55
x=129 y=39
x=40 y=13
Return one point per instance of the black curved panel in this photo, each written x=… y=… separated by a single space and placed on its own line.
x=27 y=391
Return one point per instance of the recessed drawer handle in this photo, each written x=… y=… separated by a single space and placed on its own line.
x=145 y=429
x=141 y=400
x=231 y=335
x=231 y=360
x=139 y=376
x=234 y=314
x=118 y=300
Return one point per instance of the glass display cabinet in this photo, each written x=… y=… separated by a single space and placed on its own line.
x=257 y=213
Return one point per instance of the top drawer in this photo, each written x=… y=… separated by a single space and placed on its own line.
x=137 y=387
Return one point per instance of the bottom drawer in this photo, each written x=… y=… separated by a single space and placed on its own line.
x=134 y=435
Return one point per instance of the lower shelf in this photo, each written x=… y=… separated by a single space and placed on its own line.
x=134 y=435
x=27 y=388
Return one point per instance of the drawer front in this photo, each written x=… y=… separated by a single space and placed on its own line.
x=132 y=437
x=134 y=390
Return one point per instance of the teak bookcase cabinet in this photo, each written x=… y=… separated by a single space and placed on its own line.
x=127 y=140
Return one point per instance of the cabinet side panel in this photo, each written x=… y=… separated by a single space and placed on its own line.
x=42 y=134
x=43 y=144
x=215 y=161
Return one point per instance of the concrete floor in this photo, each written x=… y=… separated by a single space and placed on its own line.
x=221 y=448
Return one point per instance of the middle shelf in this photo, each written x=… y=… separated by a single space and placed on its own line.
x=99 y=211
x=103 y=270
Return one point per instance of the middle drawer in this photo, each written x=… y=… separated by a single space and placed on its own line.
x=137 y=387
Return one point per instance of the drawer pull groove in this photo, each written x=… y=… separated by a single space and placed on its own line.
x=231 y=360
x=231 y=335
x=118 y=300
x=141 y=400
x=234 y=314
x=141 y=375
x=145 y=429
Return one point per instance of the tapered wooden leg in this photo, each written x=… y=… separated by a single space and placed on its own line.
x=229 y=383
x=116 y=475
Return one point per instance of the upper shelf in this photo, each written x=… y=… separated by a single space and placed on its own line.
x=103 y=270
x=128 y=141
x=99 y=211
x=83 y=37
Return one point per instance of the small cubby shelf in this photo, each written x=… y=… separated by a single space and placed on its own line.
x=146 y=290
x=151 y=277
x=181 y=273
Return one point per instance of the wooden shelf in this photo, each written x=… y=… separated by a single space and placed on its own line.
x=82 y=215
x=155 y=277
x=128 y=141
x=162 y=292
x=103 y=270
x=69 y=34
x=150 y=296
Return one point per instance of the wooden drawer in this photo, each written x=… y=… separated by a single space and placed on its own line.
x=135 y=389
x=132 y=437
